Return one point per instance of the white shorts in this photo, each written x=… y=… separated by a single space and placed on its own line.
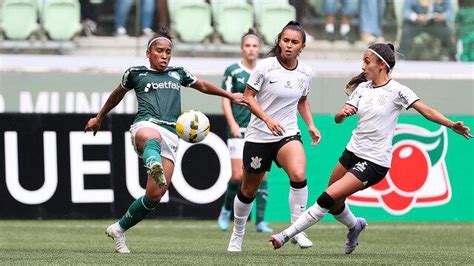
x=236 y=148
x=169 y=141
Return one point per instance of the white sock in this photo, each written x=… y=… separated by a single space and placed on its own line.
x=346 y=217
x=345 y=28
x=297 y=199
x=241 y=215
x=329 y=28
x=309 y=217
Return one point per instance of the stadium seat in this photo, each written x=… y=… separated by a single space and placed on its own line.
x=232 y=18
x=19 y=18
x=61 y=19
x=271 y=16
x=190 y=19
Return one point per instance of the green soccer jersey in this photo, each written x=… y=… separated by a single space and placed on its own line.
x=158 y=93
x=235 y=80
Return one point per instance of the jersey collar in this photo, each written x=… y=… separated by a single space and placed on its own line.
x=244 y=67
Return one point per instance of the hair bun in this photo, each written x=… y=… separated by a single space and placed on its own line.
x=391 y=46
x=293 y=23
x=252 y=31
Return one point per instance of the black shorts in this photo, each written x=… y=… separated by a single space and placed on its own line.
x=366 y=171
x=258 y=157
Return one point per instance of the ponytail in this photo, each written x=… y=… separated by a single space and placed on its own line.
x=354 y=82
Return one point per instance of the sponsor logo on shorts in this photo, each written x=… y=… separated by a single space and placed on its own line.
x=256 y=162
x=360 y=166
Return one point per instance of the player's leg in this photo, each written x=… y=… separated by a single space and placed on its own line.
x=261 y=201
x=141 y=207
x=291 y=157
x=340 y=210
x=242 y=207
x=148 y=143
x=341 y=189
x=256 y=161
x=236 y=149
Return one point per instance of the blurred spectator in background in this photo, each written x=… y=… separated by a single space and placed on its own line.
x=330 y=9
x=371 y=20
x=162 y=13
x=465 y=30
x=427 y=16
x=122 y=9
x=90 y=10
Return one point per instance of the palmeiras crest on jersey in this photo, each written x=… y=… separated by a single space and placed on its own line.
x=418 y=176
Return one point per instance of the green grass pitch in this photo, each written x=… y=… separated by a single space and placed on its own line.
x=200 y=242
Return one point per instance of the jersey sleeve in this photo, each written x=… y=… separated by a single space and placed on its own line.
x=227 y=80
x=355 y=97
x=406 y=97
x=128 y=79
x=187 y=79
x=257 y=78
x=308 y=88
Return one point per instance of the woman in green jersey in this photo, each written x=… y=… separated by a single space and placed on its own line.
x=238 y=117
x=157 y=88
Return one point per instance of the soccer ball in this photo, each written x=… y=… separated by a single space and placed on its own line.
x=192 y=126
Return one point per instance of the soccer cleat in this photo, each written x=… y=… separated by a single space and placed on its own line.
x=224 y=219
x=156 y=172
x=353 y=235
x=116 y=234
x=262 y=227
x=235 y=243
x=302 y=240
x=278 y=240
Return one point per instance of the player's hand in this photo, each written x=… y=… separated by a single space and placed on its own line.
x=461 y=129
x=348 y=110
x=235 y=131
x=238 y=98
x=274 y=127
x=315 y=135
x=93 y=125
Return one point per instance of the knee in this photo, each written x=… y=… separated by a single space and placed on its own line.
x=297 y=175
x=326 y=201
x=249 y=192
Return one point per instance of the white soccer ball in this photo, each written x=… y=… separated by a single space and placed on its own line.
x=192 y=126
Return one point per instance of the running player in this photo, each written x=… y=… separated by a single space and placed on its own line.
x=157 y=88
x=275 y=92
x=238 y=117
x=378 y=100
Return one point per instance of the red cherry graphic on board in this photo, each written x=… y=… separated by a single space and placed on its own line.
x=382 y=185
x=397 y=202
x=409 y=169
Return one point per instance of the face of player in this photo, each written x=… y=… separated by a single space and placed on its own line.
x=372 y=66
x=291 y=44
x=159 y=54
x=250 y=48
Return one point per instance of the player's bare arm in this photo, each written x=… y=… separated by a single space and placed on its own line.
x=346 y=111
x=437 y=117
x=305 y=111
x=115 y=98
x=256 y=109
x=209 y=88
